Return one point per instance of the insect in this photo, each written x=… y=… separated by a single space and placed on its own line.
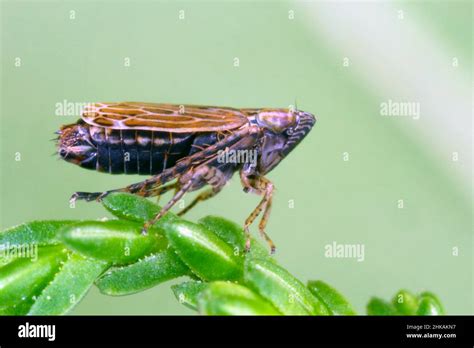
x=184 y=148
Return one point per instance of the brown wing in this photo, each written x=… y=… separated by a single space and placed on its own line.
x=163 y=117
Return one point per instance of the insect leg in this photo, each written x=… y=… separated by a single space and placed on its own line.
x=91 y=196
x=216 y=178
x=205 y=195
x=144 y=188
x=248 y=183
x=161 y=190
x=263 y=222
x=187 y=181
x=261 y=186
x=213 y=177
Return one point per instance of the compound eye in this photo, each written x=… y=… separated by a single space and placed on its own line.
x=276 y=120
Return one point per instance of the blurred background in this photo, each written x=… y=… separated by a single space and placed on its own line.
x=387 y=166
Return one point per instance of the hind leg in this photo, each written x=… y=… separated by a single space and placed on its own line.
x=150 y=187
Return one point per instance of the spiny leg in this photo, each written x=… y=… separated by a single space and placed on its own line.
x=248 y=183
x=213 y=177
x=161 y=190
x=261 y=186
x=91 y=196
x=168 y=206
x=265 y=205
x=187 y=181
x=264 y=220
x=247 y=188
x=201 y=197
x=146 y=188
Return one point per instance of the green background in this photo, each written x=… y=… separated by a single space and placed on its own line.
x=191 y=61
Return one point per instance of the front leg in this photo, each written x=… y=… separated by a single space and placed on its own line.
x=264 y=187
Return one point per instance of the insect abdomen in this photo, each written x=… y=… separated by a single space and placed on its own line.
x=143 y=152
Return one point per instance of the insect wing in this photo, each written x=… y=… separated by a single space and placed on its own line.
x=163 y=117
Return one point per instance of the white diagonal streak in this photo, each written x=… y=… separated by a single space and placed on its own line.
x=400 y=60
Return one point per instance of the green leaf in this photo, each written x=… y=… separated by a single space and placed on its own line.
x=117 y=241
x=142 y=275
x=405 y=302
x=4 y=260
x=233 y=234
x=377 y=306
x=35 y=232
x=20 y=308
x=135 y=208
x=69 y=286
x=334 y=301
x=208 y=256
x=225 y=298
x=429 y=305
x=23 y=279
x=186 y=293
x=283 y=290
x=435 y=299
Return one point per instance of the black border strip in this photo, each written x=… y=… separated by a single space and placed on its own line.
x=138 y=330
